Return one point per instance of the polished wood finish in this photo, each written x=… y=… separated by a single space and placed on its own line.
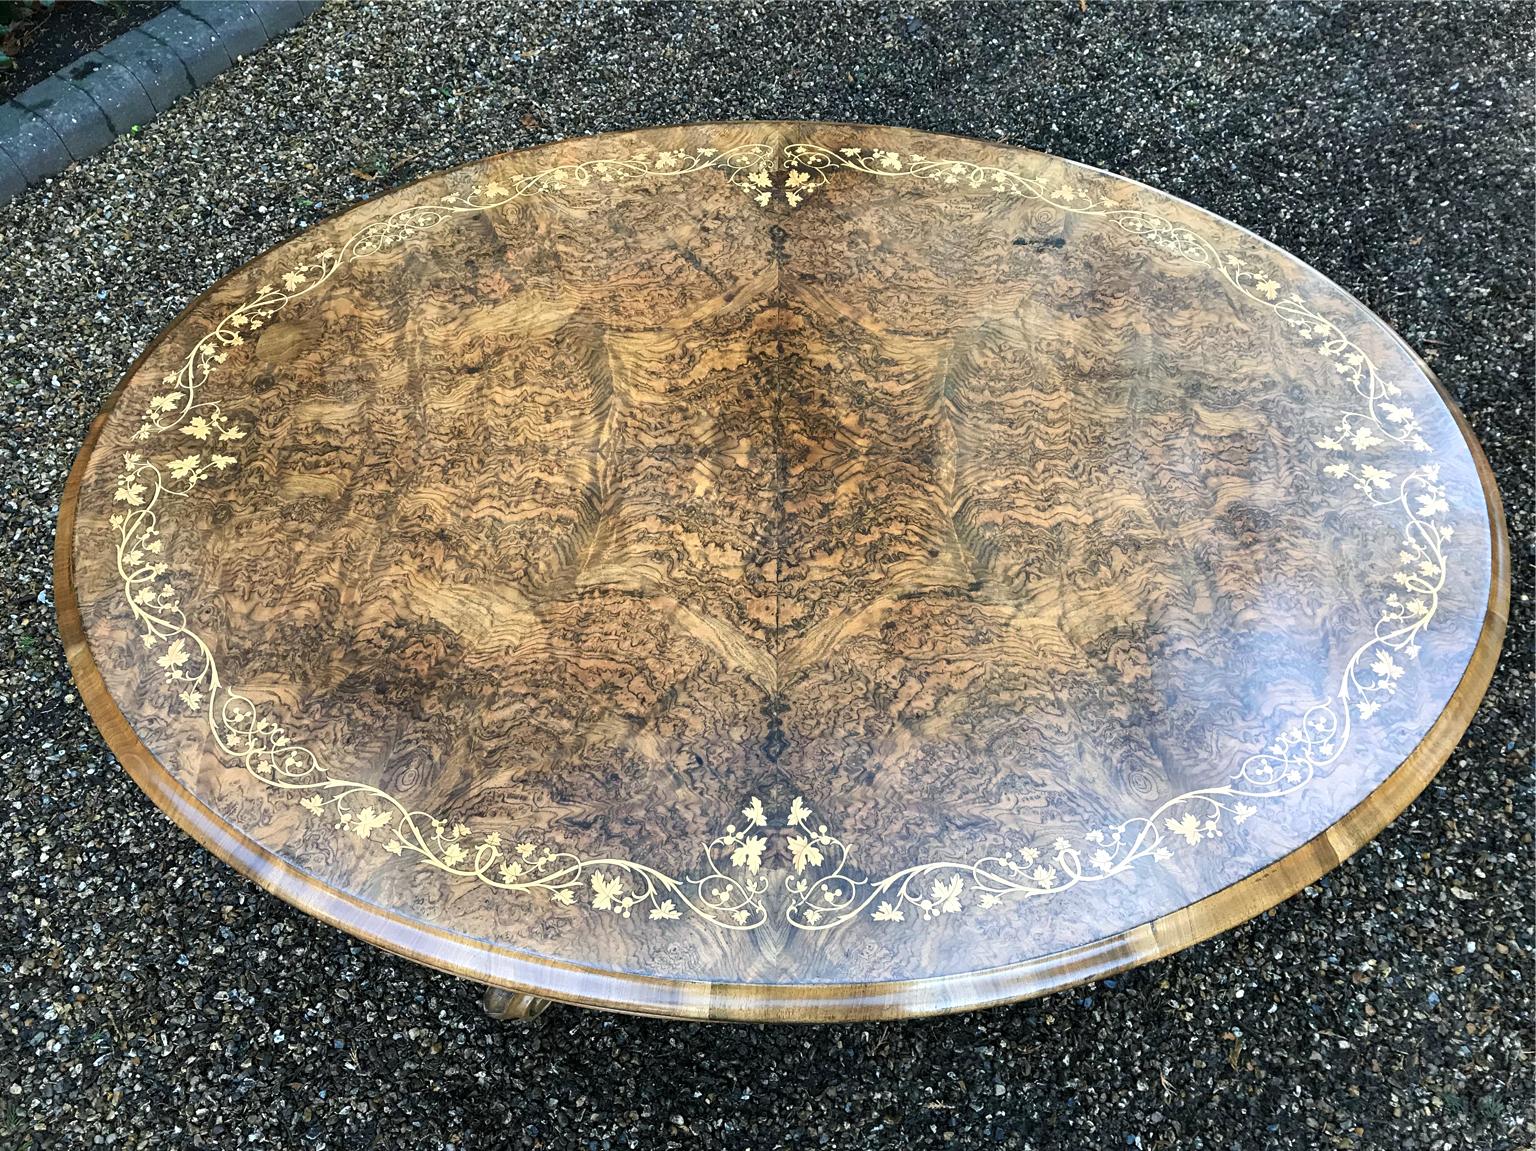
x=513 y=1006
x=780 y=571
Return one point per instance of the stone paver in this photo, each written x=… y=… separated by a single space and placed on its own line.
x=158 y=69
x=235 y=25
x=117 y=91
x=32 y=145
x=71 y=113
x=192 y=40
x=280 y=15
x=84 y=106
x=12 y=180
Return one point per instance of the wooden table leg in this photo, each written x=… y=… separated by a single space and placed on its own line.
x=503 y=1004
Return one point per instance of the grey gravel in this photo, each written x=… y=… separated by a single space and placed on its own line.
x=154 y=999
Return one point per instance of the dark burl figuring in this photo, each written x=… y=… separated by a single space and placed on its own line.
x=780 y=571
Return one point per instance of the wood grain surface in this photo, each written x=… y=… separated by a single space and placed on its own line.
x=780 y=571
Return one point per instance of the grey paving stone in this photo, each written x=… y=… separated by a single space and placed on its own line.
x=192 y=41
x=234 y=23
x=12 y=180
x=164 y=77
x=31 y=143
x=117 y=91
x=278 y=15
x=71 y=113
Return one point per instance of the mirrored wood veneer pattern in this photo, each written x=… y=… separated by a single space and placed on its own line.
x=783 y=571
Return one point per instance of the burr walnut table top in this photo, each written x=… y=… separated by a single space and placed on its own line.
x=780 y=571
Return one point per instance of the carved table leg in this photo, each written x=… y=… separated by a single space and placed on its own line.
x=503 y=1004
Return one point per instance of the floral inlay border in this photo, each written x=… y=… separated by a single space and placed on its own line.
x=823 y=889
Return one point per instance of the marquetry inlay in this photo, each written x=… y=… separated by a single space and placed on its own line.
x=780 y=555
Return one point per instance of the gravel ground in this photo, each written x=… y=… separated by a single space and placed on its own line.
x=152 y=998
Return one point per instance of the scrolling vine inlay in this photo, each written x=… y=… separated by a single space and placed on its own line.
x=779 y=555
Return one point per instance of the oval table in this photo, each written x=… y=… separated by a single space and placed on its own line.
x=780 y=571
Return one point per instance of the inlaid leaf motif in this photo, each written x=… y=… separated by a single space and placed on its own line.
x=368 y=821
x=1375 y=477
x=181 y=468
x=605 y=891
x=175 y=656
x=1385 y=666
x=804 y=852
x=1187 y=825
x=750 y=853
x=946 y=894
x=1363 y=437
